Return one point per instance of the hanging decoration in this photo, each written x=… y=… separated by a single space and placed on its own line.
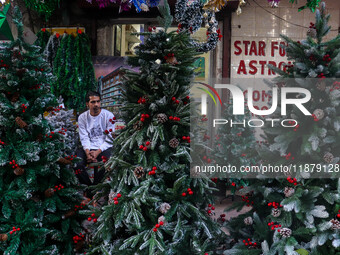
x=125 y=5
x=43 y=7
x=190 y=15
x=240 y=3
x=4 y=26
x=274 y=3
x=311 y=4
x=4 y=2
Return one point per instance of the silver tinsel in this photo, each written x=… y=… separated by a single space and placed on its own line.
x=248 y=221
x=276 y=212
x=289 y=191
x=164 y=208
x=285 y=232
x=319 y=114
x=328 y=157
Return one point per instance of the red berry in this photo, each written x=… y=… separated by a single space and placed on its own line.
x=157 y=226
x=155 y=230
x=209 y=205
x=184 y=194
x=89 y=218
x=115 y=202
x=191 y=193
x=94 y=220
x=173 y=98
x=93 y=215
x=212 y=208
x=147 y=143
x=119 y=195
x=209 y=211
x=141 y=146
x=161 y=223
x=145 y=149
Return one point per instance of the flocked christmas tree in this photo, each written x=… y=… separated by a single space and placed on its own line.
x=299 y=214
x=64 y=120
x=154 y=207
x=39 y=197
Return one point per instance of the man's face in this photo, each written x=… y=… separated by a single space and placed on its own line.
x=94 y=105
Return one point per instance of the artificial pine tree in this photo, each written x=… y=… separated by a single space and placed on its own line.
x=38 y=192
x=73 y=68
x=235 y=146
x=298 y=214
x=154 y=207
x=64 y=120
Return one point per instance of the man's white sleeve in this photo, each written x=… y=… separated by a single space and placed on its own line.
x=84 y=136
x=108 y=139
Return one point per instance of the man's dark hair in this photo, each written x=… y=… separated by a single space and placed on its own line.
x=91 y=94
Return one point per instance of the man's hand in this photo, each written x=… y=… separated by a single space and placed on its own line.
x=95 y=154
x=89 y=157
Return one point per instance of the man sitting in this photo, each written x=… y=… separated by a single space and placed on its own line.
x=94 y=124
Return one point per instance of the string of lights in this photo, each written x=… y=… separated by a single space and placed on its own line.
x=289 y=22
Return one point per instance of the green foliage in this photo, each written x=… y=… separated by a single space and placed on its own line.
x=307 y=206
x=127 y=227
x=35 y=148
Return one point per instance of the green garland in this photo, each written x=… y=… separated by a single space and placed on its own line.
x=44 y=8
x=74 y=69
x=311 y=4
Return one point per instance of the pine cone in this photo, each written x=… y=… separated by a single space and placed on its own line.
x=21 y=72
x=321 y=85
x=328 y=157
x=312 y=32
x=139 y=172
x=50 y=108
x=285 y=232
x=276 y=212
x=138 y=125
x=39 y=137
x=19 y=171
x=20 y=122
x=64 y=161
x=248 y=221
x=164 y=208
x=3 y=237
x=173 y=143
x=79 y=246
x=162 y=118
x=162 y=218
x=68 y=214
x=289 y=191
x=15 y=97
x=319 y=114
x=49 y=192
x=172 y=60
x=112 y=195
x=335 y=224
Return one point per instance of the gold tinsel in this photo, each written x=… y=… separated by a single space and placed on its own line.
x=215 y=5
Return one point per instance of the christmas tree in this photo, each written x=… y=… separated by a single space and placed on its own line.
x=299 y=214
x=61 y=119
x=39 y=196
x=235 y=146
x=154 y=207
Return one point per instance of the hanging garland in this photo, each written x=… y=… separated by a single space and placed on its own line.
x=125 y=5
x=190 y=15
x=43 y=7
